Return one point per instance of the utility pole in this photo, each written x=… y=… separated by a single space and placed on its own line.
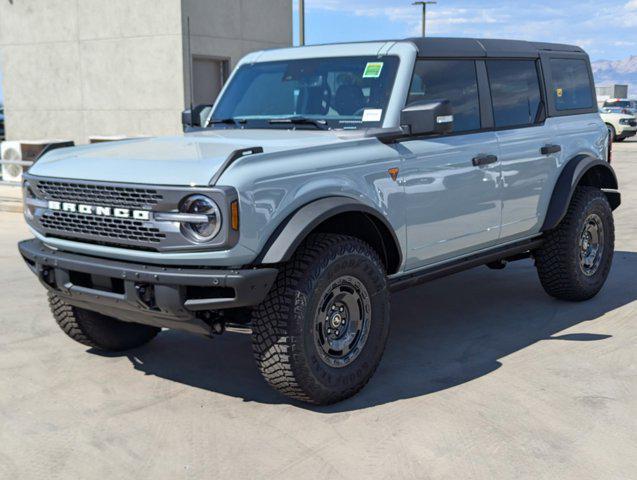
x=301 y=22
x=424 y=14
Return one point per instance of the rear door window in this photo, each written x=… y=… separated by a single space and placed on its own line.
x=453 y=80
x=515 y=92
x=571 y=84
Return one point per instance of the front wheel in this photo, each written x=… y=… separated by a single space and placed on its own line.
x=321 y=332
x=575 y=259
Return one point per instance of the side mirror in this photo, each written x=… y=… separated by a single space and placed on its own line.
x=186 y=119
x=195 y=117
x=424 y=118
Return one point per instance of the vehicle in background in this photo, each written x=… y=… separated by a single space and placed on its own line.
x=620 y=125
x=628 y=106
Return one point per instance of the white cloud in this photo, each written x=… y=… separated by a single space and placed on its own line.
x=606 y=29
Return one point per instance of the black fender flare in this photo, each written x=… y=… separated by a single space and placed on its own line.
x=291 y=233
x=591 y=170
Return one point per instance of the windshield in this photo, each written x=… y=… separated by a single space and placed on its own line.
x=619 y=103
x=341 y=93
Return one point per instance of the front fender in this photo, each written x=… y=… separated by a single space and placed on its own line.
x=287 y=238
x=580 y=170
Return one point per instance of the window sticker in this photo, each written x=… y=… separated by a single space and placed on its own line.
x=560 y=92
x=373 y=70
x=372 y=115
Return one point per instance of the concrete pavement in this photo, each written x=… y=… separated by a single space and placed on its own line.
x=484 y=377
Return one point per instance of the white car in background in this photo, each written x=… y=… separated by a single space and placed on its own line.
x=620 y=125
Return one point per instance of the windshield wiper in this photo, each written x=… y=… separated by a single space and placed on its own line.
x=227 y=121
x=300 y=120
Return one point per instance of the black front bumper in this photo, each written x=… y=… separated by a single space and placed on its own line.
x=628 y=134
x=169 y=297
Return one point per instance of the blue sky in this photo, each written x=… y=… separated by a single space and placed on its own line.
x=607 y=29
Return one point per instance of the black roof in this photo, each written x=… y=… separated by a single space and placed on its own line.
x=474 y=47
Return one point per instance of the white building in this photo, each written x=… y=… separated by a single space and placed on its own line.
x=75 y=69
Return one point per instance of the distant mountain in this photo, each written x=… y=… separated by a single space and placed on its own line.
x=620 y=71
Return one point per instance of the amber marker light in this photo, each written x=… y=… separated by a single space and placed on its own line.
x=234 y=215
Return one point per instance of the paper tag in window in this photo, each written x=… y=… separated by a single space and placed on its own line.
x=373 y=70
x=372 y=115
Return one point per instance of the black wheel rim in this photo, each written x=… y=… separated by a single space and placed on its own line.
x=591 y=245
x=342 y=322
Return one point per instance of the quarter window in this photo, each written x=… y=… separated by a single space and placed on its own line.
x=515 y=92
x=453 y=80
x=571 y=84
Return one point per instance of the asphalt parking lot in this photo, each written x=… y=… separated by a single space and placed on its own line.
x=484 y=377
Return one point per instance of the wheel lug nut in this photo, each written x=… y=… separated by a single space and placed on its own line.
x=329 y=330
x=342 y=309
x=336 y=332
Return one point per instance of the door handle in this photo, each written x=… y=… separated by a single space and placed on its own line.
x=550 y=149
x=482 y=160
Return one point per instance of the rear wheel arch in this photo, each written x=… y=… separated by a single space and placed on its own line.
x=581 y=170
x=338 y=215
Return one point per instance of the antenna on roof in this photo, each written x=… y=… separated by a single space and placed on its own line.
x=190 y=68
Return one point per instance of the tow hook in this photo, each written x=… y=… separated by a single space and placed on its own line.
x=216 y=321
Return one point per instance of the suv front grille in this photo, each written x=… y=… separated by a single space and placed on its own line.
x=114 y=196
x=108 y=228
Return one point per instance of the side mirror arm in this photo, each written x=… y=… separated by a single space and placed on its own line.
x=387 y=135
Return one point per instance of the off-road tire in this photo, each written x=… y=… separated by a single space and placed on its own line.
x=99 y=331
x=558 y=259
x=283 y=338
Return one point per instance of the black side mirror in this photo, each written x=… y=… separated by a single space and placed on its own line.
x=195 y=117
x=186 y=119
x=427 y=117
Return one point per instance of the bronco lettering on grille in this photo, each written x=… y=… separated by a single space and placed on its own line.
x=99 y=211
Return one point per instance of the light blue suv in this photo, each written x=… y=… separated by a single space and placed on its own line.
x=324 y=178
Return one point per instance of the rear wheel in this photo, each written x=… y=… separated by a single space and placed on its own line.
x=575 y=259
x=320 y=334
x=99 y=331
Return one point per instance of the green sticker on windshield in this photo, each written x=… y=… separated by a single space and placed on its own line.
x=373 y=70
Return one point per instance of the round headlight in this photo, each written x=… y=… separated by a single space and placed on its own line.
x=210 y=224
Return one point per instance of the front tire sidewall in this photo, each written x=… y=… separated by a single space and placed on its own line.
x=332 y=380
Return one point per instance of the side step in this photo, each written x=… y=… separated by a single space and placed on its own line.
x=428 y=274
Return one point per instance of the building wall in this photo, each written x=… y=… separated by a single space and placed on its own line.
x=230 y=29
x=74 y=69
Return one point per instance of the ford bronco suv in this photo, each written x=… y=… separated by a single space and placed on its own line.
x=323 y=179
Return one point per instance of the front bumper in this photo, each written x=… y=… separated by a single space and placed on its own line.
x=170 y=297
x=627 y=132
